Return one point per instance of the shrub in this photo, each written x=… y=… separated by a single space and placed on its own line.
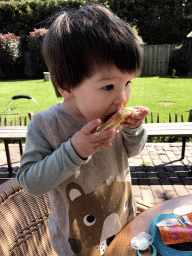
x=35 y=41
x=9 y=52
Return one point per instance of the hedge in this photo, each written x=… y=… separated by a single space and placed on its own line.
x=9 y=53
x=35 y=42
x=20 y=53
x=21 y=18
x=28 y=19
x=24 y=21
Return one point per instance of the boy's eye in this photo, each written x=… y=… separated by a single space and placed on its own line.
x=128 y=83
x=108 y=87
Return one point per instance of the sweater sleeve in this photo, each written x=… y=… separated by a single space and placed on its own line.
x=134 y=140
x=41 y=167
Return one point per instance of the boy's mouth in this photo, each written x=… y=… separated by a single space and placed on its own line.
x=109 y=116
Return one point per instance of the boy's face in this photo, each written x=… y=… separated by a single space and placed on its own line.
x=102 y=94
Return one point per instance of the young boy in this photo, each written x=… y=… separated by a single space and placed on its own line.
x=92 y=57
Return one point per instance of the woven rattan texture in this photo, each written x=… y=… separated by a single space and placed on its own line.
x=23 y=222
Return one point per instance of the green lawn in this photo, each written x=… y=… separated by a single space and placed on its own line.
x=42 y=92
x=163 y=96
x=160 y=95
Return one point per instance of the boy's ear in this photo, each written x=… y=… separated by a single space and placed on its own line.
x=65 y=94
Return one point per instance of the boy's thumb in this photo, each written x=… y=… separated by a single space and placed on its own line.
x=91 y=126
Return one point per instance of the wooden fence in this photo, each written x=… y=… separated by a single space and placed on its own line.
x=172 y=118
x=17 y=121
x=156 y=59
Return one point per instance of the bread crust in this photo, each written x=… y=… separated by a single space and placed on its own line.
x=119 y=117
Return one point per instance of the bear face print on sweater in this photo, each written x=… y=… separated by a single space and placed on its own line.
x=95 y=218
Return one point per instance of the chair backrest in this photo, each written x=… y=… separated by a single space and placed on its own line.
x=23 y=222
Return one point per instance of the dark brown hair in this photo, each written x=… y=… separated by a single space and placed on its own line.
x=79 y=40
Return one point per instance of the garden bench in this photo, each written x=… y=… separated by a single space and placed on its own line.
x=182 y=129
x=12 y=133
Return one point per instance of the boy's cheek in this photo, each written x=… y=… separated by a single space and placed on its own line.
x=126 y=102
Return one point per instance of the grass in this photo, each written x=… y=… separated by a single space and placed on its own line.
x=163 y=96
x=160 y=95
x=42 y=92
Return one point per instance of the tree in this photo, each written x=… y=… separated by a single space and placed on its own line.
x=158 y=22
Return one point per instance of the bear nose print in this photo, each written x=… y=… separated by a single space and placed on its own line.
x=110 y=239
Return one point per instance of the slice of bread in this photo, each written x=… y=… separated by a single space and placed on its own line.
x=119 y=117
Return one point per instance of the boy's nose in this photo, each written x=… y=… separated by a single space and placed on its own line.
x=121 y=98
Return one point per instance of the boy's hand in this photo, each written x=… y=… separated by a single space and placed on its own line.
x=86 y=142
x=136 y=119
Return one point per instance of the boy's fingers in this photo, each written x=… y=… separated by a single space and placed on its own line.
x=90 y=127
x=96 y=142
x=102 y=136
x=103 y=146
x=142 y=110
x=137 y=118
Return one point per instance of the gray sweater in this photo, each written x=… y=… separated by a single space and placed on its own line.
x=90 y=199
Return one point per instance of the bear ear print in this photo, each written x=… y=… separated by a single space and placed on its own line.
x=73 y=190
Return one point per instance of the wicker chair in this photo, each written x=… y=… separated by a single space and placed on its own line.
x=24 y=222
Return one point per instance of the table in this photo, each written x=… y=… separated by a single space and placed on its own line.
x=182 y=129
x=121 y=245
x=8 y=133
